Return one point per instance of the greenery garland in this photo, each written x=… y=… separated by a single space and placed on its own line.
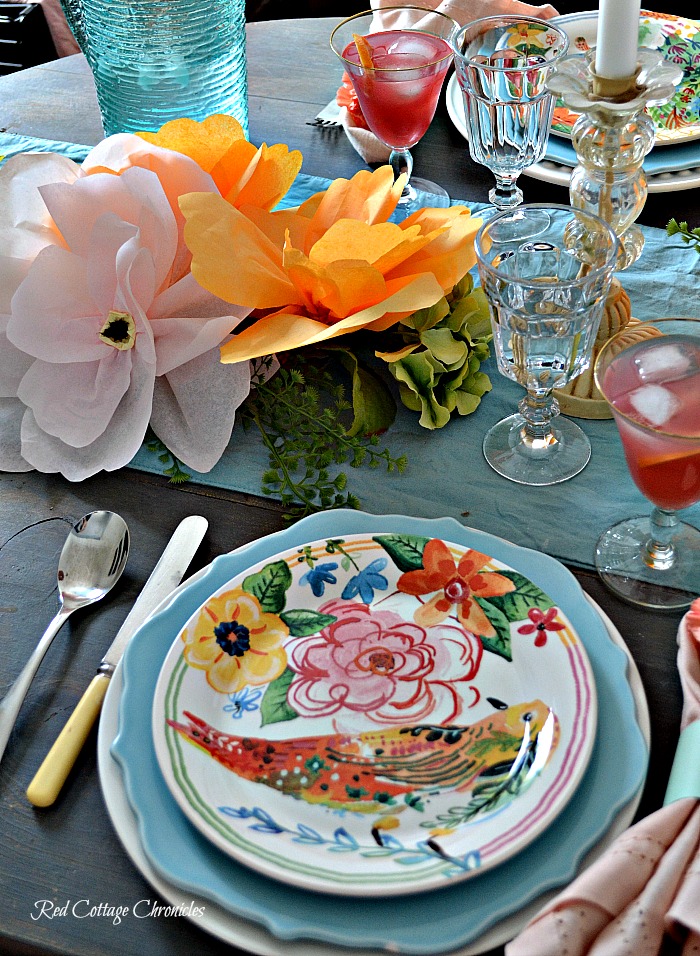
x=308 y=423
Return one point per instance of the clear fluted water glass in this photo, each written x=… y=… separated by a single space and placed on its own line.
x=154 y=62
x=502 y=65
x=546 y=272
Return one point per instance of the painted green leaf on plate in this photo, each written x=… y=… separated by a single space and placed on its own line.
x=270 y=586
x=504 y=609
x=500 y=643
x=405 y=550
x=303 y=622
x=516 y=604
x=274 y=706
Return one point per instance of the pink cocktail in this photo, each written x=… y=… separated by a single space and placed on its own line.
x=650 y=376
x=658 y=417
x=399 y=96
x=397 y=59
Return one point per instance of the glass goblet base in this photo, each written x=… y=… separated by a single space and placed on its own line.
x=420 y=193
x=620 y=560
x=557 y=455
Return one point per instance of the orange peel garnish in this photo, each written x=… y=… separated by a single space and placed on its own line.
x=652 y=461
x=364 y=51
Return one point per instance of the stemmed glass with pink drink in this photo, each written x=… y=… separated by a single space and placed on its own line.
x=397 y=58
x=650 y=375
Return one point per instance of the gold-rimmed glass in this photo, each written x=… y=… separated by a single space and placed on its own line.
x=410 y=52
x=649 y=373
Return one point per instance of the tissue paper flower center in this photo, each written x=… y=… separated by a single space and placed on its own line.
x=119 y=331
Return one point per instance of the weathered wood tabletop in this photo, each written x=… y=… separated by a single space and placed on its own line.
x=70 y=852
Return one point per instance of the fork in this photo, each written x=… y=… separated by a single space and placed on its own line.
x=328 y=118
x=325 y=124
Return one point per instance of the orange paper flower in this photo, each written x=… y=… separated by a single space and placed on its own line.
x=332 y=266
x=455 y=584
x=347 y=97
x=243 y=173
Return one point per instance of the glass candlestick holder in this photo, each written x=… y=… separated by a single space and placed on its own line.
x=611 y=137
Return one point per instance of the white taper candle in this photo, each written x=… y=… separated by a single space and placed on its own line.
x=618 y=37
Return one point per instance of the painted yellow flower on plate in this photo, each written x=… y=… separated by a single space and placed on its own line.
x=236 y=642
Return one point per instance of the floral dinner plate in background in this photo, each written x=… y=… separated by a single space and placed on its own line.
x=678 y=38
x=375 y=713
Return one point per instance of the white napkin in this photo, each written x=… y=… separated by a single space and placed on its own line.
x=371 y=149
x=464 y=11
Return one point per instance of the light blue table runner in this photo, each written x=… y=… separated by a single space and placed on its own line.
x=447 y=474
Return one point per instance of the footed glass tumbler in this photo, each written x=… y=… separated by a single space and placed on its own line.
x=502 y=65
x=546 y=271
x=153 y=62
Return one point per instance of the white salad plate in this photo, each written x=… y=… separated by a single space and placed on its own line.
x=268 y=916
x=407 y=704
x=549 y=171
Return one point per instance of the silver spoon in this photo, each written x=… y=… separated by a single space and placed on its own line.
x=90 y=564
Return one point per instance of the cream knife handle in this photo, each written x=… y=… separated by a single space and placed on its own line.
x=58 y=762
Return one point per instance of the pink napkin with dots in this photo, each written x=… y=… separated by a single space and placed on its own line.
x=647 y=884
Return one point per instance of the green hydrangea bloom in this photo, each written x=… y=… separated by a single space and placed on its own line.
x=437 y=367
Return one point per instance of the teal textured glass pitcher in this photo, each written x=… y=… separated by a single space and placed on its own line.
x=158 y=60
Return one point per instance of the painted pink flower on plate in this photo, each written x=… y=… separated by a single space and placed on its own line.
x=540 y=622
x=377 y=664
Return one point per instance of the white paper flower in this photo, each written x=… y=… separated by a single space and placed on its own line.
x=102 y=327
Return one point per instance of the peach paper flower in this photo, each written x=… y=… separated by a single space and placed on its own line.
x=332 y=266
x=244 y=174
x=103 y=328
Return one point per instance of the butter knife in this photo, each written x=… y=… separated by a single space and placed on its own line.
x=166 y=576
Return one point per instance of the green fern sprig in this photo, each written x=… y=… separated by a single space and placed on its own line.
x=299 y=413
x=174 y=471
x=690 y=237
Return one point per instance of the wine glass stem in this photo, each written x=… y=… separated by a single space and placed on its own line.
x=506 y=193
x=402 y=162
x=659 y=552
x=538 y=410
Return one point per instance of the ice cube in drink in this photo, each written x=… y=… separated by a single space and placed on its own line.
x=654 y=404
x=662 y=362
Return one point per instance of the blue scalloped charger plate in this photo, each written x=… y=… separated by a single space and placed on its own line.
x=433 y=922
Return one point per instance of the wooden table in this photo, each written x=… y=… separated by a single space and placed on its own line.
x=57 y=101
x=70 y=852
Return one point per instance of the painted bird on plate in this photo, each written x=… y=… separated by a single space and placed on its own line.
x=367 y=771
